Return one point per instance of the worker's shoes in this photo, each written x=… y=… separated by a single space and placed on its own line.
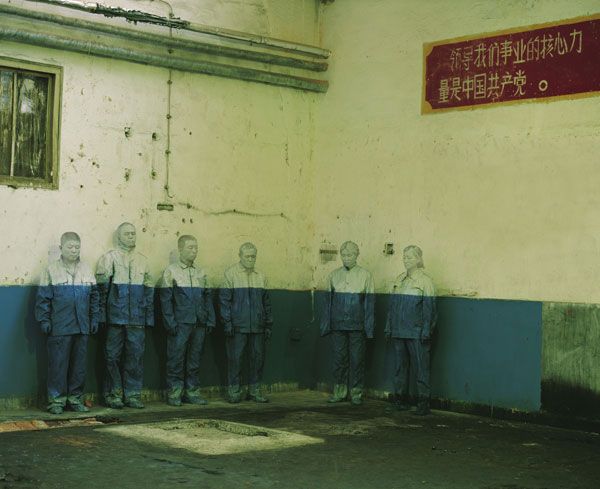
x=55 y=409
x=175 y=401
x=115 y=403
x=340 y=394
x=356 y=394
x=197 y=400
x=255 y=393
x=258 y=397
x=79 y=408
x=135 y=403
x=423 y=408
x=401 y=406
x=399 y=402
x=234 y=394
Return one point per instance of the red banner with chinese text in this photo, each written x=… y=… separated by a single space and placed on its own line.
x=553 y=60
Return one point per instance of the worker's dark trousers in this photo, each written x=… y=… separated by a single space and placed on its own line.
x=236 y=345
x=349 y=361
x=66 y=368
x=412 y=353
x=124 y=348
x=184 y=351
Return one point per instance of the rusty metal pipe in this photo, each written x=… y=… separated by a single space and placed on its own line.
x=169 y=42
x=204 y=67
x=279 y=44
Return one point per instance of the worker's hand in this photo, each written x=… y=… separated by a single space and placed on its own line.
x=94 y=328
x=229 y=331
x=46 y=327
x=173 y=331
x=268 y=333
x=388 y=335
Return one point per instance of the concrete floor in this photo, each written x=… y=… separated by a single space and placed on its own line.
x=296 y=441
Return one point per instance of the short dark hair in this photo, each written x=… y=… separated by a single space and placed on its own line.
x=183 y=239
x=123 y=224
x=247 y=246
x=69 y=236
x=349 y=244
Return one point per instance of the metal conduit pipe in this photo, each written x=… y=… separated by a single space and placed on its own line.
x=166 y=41
x=270 y=42
x=205 y=67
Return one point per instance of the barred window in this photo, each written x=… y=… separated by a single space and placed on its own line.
x=29 y=120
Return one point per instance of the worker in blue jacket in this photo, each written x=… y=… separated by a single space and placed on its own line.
x=245 y=309
x=67 y=309
x=410 y=326
x=349 y=317
x=188 y=315
x=127 y=307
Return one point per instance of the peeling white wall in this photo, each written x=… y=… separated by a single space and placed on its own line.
x=503 y=200
x=235 y=145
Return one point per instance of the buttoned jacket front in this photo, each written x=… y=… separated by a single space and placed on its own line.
x=349 y=301
x=67 y=303
x=126 y=288
x=185 y=296
x=412 y=311
x=244 y=301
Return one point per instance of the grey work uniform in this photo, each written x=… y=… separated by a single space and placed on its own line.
x=127 y=306
x=350 y=317
x=188 y=313
x=245 y=309
x=67 y=310
x=410 y=323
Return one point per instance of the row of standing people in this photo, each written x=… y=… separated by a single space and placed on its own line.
x=72 y=302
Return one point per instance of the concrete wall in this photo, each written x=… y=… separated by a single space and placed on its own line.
x=571 y=358
x=502 y=200
x=235 y=145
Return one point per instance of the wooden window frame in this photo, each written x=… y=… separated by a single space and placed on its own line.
x=55 y=80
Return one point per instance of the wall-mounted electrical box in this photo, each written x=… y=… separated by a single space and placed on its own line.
x=328 y=252
x=388 y=249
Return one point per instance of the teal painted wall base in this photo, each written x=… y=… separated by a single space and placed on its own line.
x=485 y=351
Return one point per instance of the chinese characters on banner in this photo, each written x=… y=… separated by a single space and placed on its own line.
x=533 y=63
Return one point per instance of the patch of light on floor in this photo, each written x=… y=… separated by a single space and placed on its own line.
x=211 y=436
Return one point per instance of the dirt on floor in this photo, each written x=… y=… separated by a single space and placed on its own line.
x=296 y=441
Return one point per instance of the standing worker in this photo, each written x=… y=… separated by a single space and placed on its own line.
x=410 y=325
x=67 y=310
x=127 y=307
x=188 y=315
x=245 y=309
x=349 y=317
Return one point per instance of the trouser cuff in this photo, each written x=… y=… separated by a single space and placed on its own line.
x=173 y=393
x=57 y=401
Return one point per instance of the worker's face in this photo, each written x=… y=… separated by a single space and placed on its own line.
x=127 y=236
x=248 y=258
x=189 y=252
x=411 y=260
x=349 y=256
x=70 y=249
